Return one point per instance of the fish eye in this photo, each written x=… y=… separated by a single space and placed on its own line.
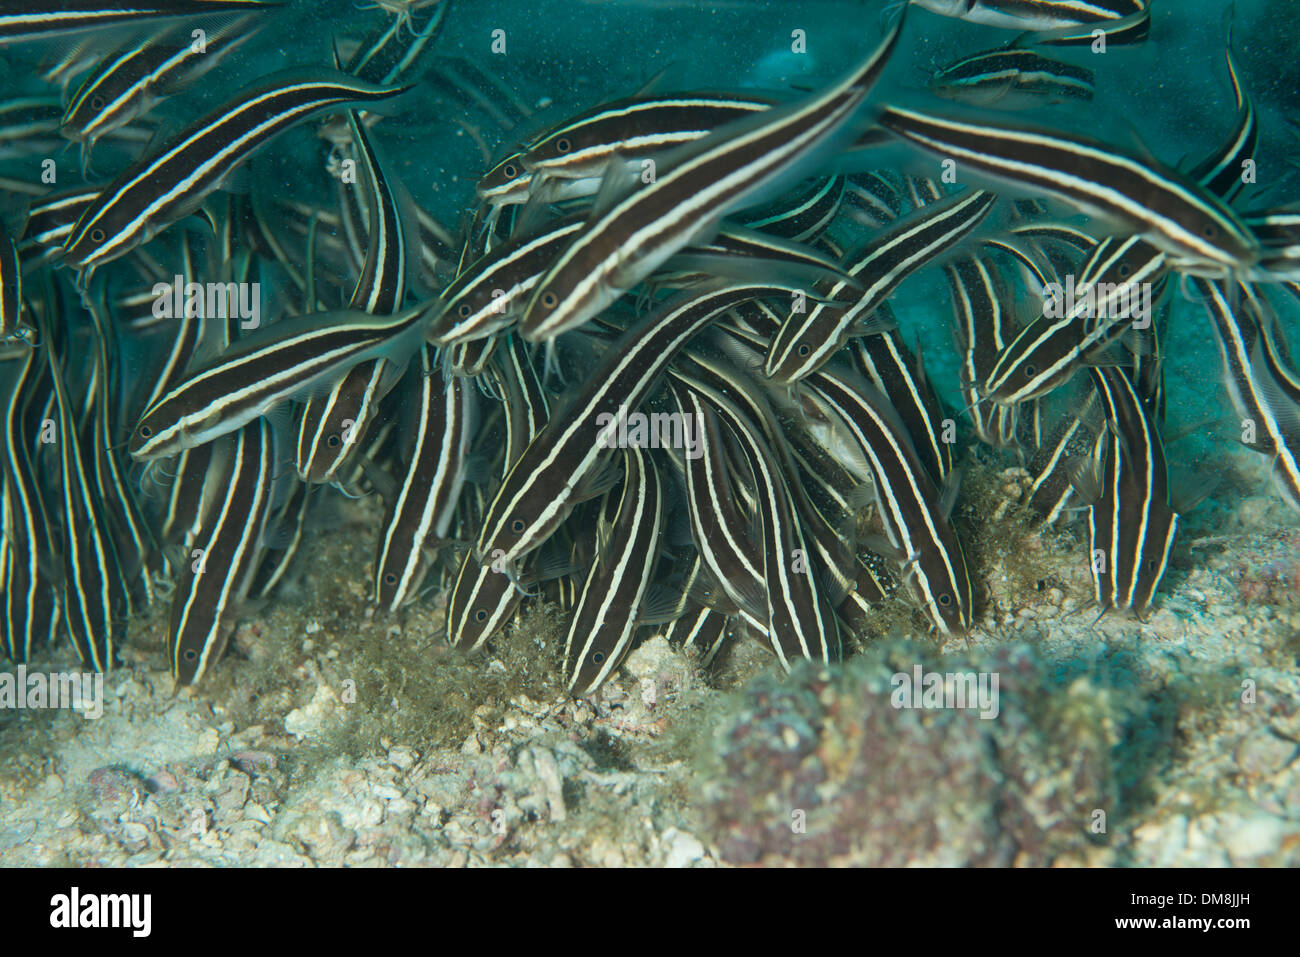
x=465 y=310
x=480 y=615
x=550 y=300
x=517 y=526
x=1031 y=371
x=97 y=102
x=597 y=657
x=511 y=171
x=190 y=654
x=145 y=432
x=97 y=235
x=1210 y=231
x=945 y=600
x=563 y=145
x=390 y=579
x=333 y=441
x=805 y=349
x=1125 y=269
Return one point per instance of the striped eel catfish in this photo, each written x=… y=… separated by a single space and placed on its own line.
x=137 y=546
x=1253 y=388
x=1064 y=233
x=605 y=619
x=908 y=502
x=470 y=359
x=389 y=51
x=1279 y=231
x=11 y=292
x=1034 y=14
x=806 y=341
x=1006 y=76
x=1048 y=351
x=1131 y=524
x=421 y=512
x=1055 y=22
x=28 y=124
x=1044 y=251
x=188 y=333
x=485 y=297
x=562 y=465
x=630 y=129
x=506 y=183
x=265 y=368
x=180 y=513
x=1149 y=363
x=581 y=147
x=625 y=243
x=66 y=64
x=800 y=620
x=334 y=424
x=509 y=184
x=831 y=559
x=737 y=245
x=1272 y=348
x=730 y=559
x=1042 y=346
x=379 y=456
x=889 y=365
x=803 y=216
x=1200 y=233
x=132 y=79
x=874 y=198
x=1056 y=456
x=699 y=626
x=1221 y=171
x=51 y=218
x=281 y=231
x=435 y=245
x=482 y=598
x=95 y=596
x=225 y=551
x=1275 y=228
x=855 y=572
x=488 y=296
x=19 y=21
x=853 y=576
x=1135 y=27
x=288 y=522
x=716 y=524
x=191 y=334
x=985 y=324
x=30 y=607
x=526 y=402
x=171 y=182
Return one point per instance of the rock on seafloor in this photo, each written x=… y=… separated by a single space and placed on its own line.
x=824 y=769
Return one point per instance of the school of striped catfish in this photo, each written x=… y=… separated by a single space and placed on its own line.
x=653 y=376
